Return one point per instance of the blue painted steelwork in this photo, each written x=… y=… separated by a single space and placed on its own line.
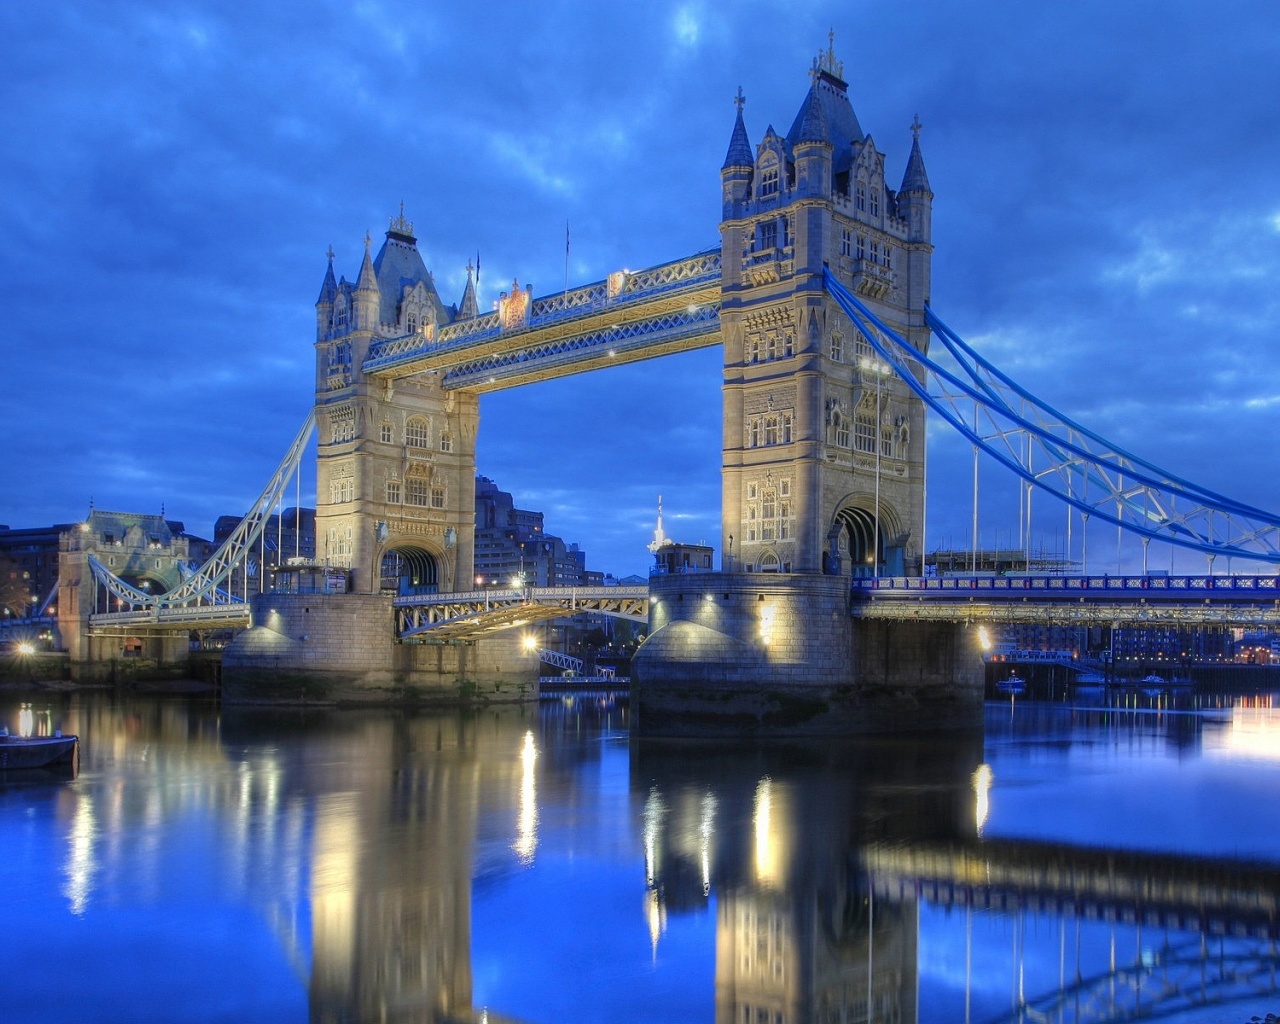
x=620 y=339
x=1128 y=492
x=623 y=291
x=1221 y=589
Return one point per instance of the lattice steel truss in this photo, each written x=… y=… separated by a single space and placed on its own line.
x=1055 y=454
x=204 y=586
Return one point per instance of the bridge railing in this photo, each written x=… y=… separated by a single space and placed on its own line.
x=1167 y=586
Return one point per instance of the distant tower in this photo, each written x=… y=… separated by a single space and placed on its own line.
x=395 y=477
x=823 y=460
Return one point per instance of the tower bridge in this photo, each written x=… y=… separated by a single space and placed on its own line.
x=819 y=294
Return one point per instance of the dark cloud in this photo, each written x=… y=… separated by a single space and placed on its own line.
x=1106 y=225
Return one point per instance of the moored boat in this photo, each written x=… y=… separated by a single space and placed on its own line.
x=1014 y=684
x=39 y=752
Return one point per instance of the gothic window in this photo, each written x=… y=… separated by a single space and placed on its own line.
x=768 y=504
x=437 y=496
x=788 y=345
x=341 y=490
x=860 y=196
x=416 y=431
x=864 y=431
x=888 y=255
x=755 y=433
x=342 y=424
x=770 y=429
x=875 y=251
x=769 y=181
x=837 y=346
x=751 y=491
x=846 y=242
x=415 y=491
x=446 y=441
x=788 y=231
x=340 y=313
x=786 y=428
x=886 y=441
x=769 y=234
x=754 y=348
x=862 y=246
x=839 y=430
x=393 y=492
x=386 y=433
x=771 y=346
x=875 y=202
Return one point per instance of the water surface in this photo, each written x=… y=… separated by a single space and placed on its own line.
x=539 y=864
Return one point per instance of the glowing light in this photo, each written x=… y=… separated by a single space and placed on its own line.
x=527 y=824
x=26 y=720
x=530 y=643
x=982 y=779
x=984 y=639
x=26 y=647
x=654 y=809
x=81 y=865
x=706 y=829
x=766 y=623
x=767 y=853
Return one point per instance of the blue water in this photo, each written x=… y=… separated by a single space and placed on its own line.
x=542 y=865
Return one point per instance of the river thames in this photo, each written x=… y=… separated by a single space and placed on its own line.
x=540 y=864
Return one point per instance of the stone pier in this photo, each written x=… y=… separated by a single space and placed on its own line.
x=769 y=653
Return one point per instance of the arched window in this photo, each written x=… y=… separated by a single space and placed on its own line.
x=864 y=430
x=416 y=432
x=446 y=441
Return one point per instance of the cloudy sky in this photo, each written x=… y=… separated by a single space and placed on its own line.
x=1106 y=222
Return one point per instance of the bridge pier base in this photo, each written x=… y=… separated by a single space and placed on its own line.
x=775 y=654
x=341 y=649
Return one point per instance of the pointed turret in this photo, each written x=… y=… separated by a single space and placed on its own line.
x=811 y=122
x=468 y=307
x=915 y=179
x=324 y=304
x=739 y=154
x=915 y=198
x=367 y=296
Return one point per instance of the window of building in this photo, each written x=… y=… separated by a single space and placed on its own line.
x=864 y=431
x=769 y=181
x=415 y=491
x=770 y=429
x=446 y=442
x=846 y=242
x=386 y=433
x=875 y=251
x=839 y=430
x=769 y=234
x=416 y=431
x=340 y=313
x=875 y=202
x=888 y=255
x=837 y=346
x=862 y=246
x=860 y=196
x=437 y=496
x=393 y=492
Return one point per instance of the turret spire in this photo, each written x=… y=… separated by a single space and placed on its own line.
x=329 y=287
x=915 y=179
x=739 y=154
x=468 y=307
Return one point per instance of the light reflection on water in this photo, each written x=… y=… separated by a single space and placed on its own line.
x=539 y=864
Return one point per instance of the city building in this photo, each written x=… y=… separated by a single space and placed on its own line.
x=670 y=556
x=513 y=547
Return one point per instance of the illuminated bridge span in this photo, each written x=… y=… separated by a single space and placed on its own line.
x=480 y=613
x=1074 y=600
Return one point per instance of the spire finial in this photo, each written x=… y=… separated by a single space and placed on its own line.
x=368 y=241
x=915 y=127
x=331 y=254
x=400 y=226
x=827 y=61
x=740 y=100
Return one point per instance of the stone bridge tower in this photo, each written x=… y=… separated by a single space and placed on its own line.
x=823 y=463
x=395 y=476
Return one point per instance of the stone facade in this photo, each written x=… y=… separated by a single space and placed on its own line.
x=823 y=451
x=771 y=653
x=395 y=472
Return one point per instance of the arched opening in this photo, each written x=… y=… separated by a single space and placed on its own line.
x=768 y=562
x=409 y=570
x=860 y=545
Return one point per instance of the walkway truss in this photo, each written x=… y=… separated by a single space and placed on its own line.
x=1053 y=453
x=203 y=598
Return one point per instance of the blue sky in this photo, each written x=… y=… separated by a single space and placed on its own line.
x=1106 y=223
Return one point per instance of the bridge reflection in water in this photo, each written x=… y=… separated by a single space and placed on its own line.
x=446 y=868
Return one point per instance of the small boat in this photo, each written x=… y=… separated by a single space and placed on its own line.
x=1014 y=684
x=39 y=752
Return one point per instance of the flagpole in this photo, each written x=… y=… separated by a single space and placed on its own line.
x=566 y=261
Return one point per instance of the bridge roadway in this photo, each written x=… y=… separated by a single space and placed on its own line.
x=1073 y=600
x=1189 y=601
x=632 y=315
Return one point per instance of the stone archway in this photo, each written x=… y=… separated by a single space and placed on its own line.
x=859 y=542
x=409 y=568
